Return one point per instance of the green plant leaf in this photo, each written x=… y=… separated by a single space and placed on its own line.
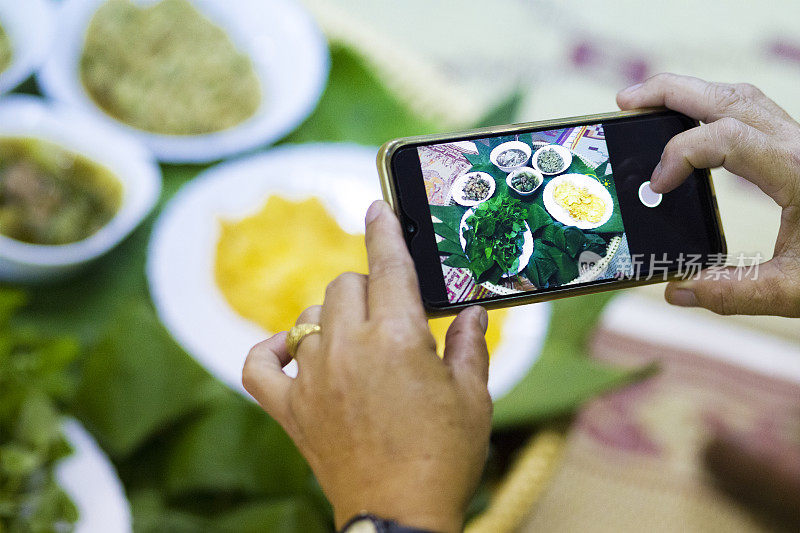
x=543 y=264
x=537 y=218
x=447 y=232
x=448 y=214
x=602 y=169
x=224 y=452
x=449 y=247
x=128 y=388
x=579 y=167
x=357 y=107
x=456 y=261
x=563 y=377
x=504 y=112
x=555 y=235
x=282 y=516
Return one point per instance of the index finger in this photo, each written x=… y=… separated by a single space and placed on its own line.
x=392 y=286
x=705 y=101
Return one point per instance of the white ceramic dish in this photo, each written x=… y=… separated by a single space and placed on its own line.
x=525 y=170
x=289 y=54
x=27 y=116
x=29 y=26
x=580 y=180
x=510 y=145
x=461 y=182
x=181 y=253
x=564 y=152
x=527 y=243
x=91 y=482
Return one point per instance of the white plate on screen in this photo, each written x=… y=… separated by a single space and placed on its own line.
x=29 y=27
x=289 y=53
x=181 y=253
x=579 y=180
x=90 y=481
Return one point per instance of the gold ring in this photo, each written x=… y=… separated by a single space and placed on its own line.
x=297 y=333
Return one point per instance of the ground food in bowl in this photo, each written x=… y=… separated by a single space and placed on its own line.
x=6 y=52
x=49 y=195
x=524 y=182
x=511 y=158
x=549 y=161
x=476 y=188
x=166 y=68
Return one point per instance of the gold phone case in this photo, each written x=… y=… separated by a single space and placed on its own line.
x=390 y=194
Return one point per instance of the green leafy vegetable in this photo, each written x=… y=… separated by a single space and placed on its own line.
x=494 y=236
x=34 y=383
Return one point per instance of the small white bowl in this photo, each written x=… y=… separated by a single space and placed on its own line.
x=289 y=54
x=510 y=145
x=565 y=154
x=29 y=27
x=91 y=482
x=524 y=170
x=461 y=182
x=27 y=116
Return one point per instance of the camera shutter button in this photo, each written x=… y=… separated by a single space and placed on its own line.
x=648 y=197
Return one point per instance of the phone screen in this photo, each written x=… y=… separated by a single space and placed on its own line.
x=550 y=209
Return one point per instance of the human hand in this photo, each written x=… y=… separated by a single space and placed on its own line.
x=387 y=426
x=748 y=134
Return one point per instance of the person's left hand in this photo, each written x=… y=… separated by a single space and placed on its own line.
x=387 y=426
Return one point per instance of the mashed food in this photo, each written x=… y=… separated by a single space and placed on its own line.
x=579 y=202
x=166 y=68
x=275 y=263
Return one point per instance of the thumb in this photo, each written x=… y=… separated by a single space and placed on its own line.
x=764 y=290
x=465 y=349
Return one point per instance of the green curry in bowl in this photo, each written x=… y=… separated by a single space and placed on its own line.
x=51 y=196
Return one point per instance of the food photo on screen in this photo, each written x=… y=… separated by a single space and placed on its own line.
x=526 y=212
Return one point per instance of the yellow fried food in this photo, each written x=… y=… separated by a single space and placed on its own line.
x=273 y=264
x=581 y=204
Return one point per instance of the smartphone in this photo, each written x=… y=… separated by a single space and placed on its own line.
x=522 y=213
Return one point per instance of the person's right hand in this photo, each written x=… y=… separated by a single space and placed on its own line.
x=749 y=135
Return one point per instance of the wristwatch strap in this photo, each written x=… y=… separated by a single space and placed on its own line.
x=368 y=523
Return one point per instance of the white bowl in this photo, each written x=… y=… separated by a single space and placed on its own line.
x=27 y=116
x=29 y=26
x=289 y=54
x=90 y=481
x=564 y=152
x=510 y=145
x=461 y=182
x=524 y=170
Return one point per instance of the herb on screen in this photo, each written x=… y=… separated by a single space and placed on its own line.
x=494 y=237
x=511 y=157
x=476 y=188
x=549 y=161
x=524 y=182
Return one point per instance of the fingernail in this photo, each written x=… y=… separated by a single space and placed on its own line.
x=683 y=298
x=632 y=88
x=373 y=211
x=483 y=318
x=656 y=174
